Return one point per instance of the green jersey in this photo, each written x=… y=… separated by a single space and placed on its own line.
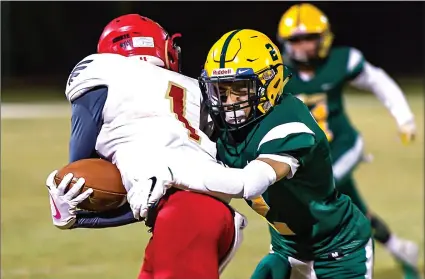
x=308 y=216
x=323 y=93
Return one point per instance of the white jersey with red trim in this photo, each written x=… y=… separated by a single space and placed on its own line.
x=151 y=114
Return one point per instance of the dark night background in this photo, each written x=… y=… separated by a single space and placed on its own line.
x=44 y=40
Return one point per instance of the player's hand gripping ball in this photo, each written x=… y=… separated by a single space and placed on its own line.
x=101 y=176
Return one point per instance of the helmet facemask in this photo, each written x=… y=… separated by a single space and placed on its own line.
x=234 y=101
x=173 y=54
x=321 y=42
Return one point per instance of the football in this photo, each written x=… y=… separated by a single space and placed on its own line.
x=100 y=175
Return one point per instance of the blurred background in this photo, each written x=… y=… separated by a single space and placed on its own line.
x=42 y=42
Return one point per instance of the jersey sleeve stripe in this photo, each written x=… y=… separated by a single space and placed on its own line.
x=283 y=130
x=355 y=61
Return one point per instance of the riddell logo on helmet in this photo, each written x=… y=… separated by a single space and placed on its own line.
x=222 y=72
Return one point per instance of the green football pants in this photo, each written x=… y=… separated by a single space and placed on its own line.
x=357 y=265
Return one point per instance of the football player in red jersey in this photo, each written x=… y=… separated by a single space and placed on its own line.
x=193 y=235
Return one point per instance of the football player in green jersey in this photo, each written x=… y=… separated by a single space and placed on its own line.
x=319 y=75
x=279 y=160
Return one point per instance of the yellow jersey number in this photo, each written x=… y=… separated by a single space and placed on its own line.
x=319 y=109
x=261 y=207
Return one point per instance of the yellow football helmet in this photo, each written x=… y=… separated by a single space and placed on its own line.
x=302 y=20
x=246 y=60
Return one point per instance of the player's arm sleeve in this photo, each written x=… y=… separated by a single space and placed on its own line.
x=288 y=143
x=113 y=218
x=86 y=122
x=374 y=79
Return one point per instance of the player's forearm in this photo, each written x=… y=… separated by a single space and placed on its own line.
x=114 y=218
x=249 y=182
x=386 y=90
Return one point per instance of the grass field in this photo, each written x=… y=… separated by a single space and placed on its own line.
x=32 y=248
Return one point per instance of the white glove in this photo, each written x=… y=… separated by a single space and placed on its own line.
x=64 y=206
x=407 y=132
x=145 y=193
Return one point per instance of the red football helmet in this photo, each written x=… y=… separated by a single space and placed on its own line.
x=135 y=35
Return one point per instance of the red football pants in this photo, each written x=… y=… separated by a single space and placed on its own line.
x=191 y=235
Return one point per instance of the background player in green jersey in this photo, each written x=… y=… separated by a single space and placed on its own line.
x=319 y=75
x=279 y=161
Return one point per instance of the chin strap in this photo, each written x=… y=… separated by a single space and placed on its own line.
x=285 y=81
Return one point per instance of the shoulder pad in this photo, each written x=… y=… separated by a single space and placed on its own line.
x=94 y=70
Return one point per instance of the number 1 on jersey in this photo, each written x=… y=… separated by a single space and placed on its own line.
x=177 y=96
